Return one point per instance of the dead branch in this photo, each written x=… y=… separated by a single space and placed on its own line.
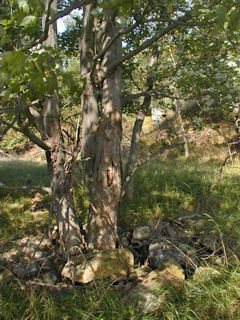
x=36 y=188
x=220 y=176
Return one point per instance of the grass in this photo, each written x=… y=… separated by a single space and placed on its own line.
x=163 y=190
x=217 y=298
x=170 y=189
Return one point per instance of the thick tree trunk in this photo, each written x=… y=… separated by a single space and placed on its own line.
x=89 y=96
x=106 y=186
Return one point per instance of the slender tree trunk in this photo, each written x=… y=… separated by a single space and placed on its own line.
x=181 y=129
x=137 y=129
x=106 y=186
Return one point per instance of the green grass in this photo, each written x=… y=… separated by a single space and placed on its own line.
x=217 y=298
x=174 y=188
x=16 y=217
x=163 y=190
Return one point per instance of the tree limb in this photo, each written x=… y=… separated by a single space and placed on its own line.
x=76 y=4
x=149 y=158
x=144 y=45
x=36 y=188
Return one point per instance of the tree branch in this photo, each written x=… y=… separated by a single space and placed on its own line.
x=144 y=45
x=76 y=4
x=139 y=20
x=36 y=188
x=149 y=158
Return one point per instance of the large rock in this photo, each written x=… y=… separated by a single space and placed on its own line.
x=112 y=263
x=159 y=254
x=170 y=272
x=141 y=234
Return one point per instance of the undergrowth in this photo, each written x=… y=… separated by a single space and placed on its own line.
x=164 y=190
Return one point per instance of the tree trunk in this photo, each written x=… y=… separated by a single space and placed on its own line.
x=137 y=129
x=60 y=169
x=181 y=129
x=106 y=186
x=61 y=176
x=89 y=96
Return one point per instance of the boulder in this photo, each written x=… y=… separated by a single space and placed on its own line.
x=170 y=272
x=112 y=263
x=159 y=254
x=141 y=235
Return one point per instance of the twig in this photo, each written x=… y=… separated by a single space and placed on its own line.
x=221 y=171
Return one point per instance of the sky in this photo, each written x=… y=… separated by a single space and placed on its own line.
x=60 y=25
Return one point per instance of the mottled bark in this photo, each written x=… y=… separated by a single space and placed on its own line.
x=106 y=186
x=61 y=175
x=60 y=169
x=89 y=96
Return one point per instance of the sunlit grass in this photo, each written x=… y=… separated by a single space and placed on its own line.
x=174 y=188
x=163 y=190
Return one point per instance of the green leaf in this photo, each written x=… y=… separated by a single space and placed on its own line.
x=23 y=4
x=28 y=21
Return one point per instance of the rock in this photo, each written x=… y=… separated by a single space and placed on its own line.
x=19 y=270
x=146 y=301
x=205 y=273
x=158 y=254
x=50 y=278
x=11 y=255
x=39 y=255
x=210 y=243
x=45 y=244
x=23 y=242
x=6 y=276
x=112 y=263
x=23 y=270
x=32 y=269
x=169 y=272
x=141 y=234
x=146 y=294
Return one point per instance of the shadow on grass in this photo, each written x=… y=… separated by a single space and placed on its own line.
x=20 y=215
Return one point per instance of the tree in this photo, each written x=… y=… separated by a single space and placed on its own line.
x=142 y=27
x=32 y=88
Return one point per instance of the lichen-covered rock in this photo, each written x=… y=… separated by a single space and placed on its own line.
x=141 y=234
x=112 y=263
x=170 y=272
x=205 y=273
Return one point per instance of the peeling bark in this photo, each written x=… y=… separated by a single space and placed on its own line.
x=106 y=185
